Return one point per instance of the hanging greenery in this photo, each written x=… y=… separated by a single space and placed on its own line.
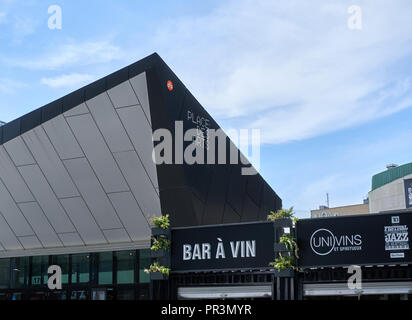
x=161 y=222
x=285 y=261
x=155 y=267
x=282 y=214
x=289 y=241
x=160 y=243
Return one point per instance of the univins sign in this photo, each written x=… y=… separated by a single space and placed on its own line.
x=323 y=242
x=355 y=240
x=223 y=247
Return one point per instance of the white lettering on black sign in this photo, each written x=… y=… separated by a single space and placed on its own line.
x=203 y=125
x=396 y=237
x=203 y=251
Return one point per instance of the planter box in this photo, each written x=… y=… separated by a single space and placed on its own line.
x=285 y=273
x=161 y=232
x=280 y=247
x=164 y=261
x=160 y=253
x=283 y=223
x=158 y=276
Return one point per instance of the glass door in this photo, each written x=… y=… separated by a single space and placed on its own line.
x=79 y=294
x=37 y=295
x=103 y=294
x=16 y=296
x=57 y=295
x=99 y=294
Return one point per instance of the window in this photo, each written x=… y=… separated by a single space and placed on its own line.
x=63 y=262
x=126 y=263
x=102 y=275
x=105 y=268
x=79 y=295
x=39 y=270
x=125 y=294
x=57 y=295
x=144 y=263
x=4 y=273
x=20 y=272
x=80 y=268
x=16 y=296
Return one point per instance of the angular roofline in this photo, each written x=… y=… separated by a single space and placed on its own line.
x=387 y=176
x=51 y=110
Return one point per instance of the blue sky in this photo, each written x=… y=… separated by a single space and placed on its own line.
x=333 y=104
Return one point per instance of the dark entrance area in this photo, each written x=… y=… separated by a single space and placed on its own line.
x=378 y=283
x=233 y=285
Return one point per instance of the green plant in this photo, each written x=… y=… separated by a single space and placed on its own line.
x=160 y=243
x=290 y=243
x=284 y=262
x=289 y=261
x=161 y=222
x=155 y=267
x=281 y=214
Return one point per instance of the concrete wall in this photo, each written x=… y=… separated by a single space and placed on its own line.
x=390 y=196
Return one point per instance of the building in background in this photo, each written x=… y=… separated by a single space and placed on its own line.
x=392 y=189
x=324 y=211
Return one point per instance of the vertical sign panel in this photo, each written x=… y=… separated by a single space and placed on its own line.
x=408 y=193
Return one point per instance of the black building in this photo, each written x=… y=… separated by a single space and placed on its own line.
x=78 y=185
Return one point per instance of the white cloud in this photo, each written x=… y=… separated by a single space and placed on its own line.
x=8 y=86
x=19 y=24
x=293 y=68
x=72 y=54
x=23 y=26
x=2 y=17
x=68 y=80
x=345 y=172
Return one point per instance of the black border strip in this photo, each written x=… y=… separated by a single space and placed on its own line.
x=37 y=117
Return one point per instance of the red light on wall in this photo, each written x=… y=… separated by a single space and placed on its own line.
x=169 y=85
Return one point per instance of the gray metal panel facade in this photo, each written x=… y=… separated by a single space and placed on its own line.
x=82 y=178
